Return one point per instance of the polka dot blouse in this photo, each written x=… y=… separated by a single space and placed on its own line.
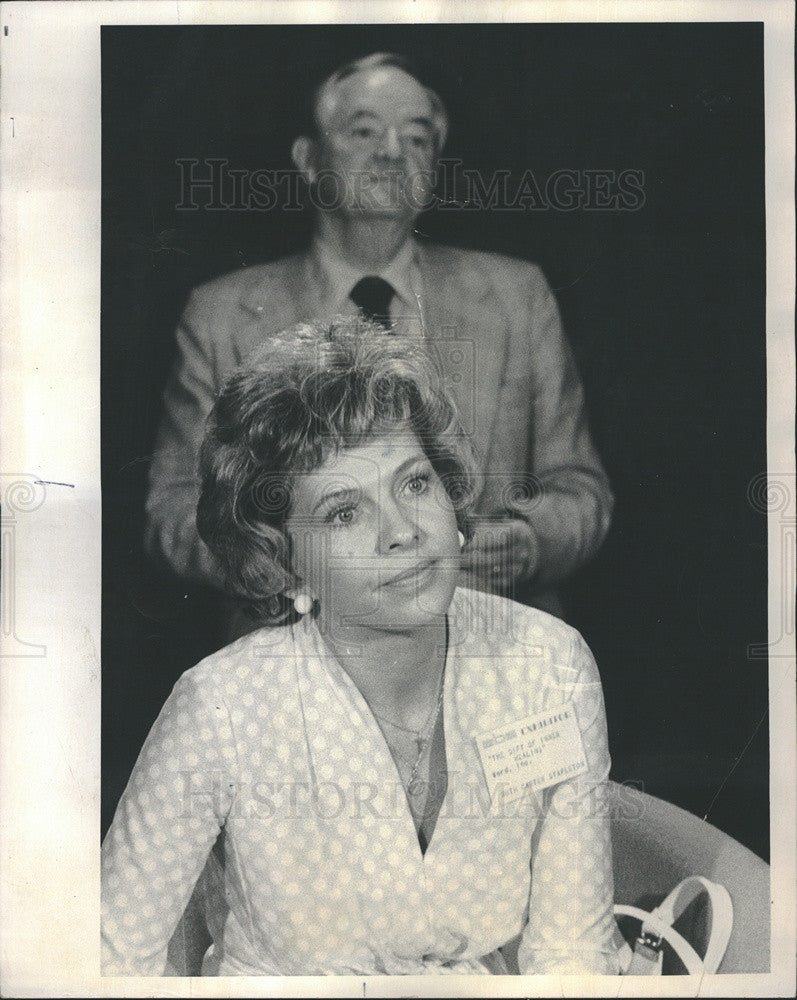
x=270 y=741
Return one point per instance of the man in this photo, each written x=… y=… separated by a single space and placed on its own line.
x=492 y=322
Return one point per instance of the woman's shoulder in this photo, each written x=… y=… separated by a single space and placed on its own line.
x=510 y=637
x=507 y=621
x=248 y=660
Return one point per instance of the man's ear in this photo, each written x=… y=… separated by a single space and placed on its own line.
x=442 y=135
x=303 y=153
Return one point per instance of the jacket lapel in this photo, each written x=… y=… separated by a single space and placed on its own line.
x=466 y=329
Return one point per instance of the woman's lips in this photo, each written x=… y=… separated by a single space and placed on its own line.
x=414 y=575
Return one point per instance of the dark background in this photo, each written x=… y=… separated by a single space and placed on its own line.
x=664 y=307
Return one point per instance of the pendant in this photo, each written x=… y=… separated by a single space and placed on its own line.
x=416 y=787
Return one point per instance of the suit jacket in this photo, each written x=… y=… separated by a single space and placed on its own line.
x=492 y=323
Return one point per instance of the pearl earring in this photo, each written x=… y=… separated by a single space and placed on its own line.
x=303 y=603
x=461 y=540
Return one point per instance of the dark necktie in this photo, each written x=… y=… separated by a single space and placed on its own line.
x=373 y=296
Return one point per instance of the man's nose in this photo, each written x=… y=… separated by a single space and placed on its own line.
x=390 y=145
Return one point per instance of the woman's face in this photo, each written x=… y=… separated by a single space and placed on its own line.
x=375 y=537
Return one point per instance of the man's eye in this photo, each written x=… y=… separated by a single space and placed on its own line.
x=363 y=132
x=419 y=140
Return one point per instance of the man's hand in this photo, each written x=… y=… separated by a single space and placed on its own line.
x=498 y=554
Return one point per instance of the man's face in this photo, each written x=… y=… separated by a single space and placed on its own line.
x=374 y=536
x=377 y=146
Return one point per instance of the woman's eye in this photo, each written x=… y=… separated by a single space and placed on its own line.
x=418 y=484
x=340 y=517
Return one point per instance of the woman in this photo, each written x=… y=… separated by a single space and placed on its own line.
x=407 y=775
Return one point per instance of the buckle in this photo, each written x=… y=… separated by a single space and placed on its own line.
x=648 y=944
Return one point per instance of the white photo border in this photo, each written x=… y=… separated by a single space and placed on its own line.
x=50 y=671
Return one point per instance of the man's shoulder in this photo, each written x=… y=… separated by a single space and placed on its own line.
x=240 y=283
x=494 y=266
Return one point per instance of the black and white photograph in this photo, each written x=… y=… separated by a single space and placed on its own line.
x=446 y=621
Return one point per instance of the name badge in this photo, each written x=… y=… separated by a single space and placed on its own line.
x=532 y=754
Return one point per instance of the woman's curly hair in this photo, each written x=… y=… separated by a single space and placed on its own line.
x=302 y=395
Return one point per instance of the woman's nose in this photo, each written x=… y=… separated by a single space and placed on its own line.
x=399 y=528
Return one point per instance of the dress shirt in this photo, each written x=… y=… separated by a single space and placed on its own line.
x=333 y=279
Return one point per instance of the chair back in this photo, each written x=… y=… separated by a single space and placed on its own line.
x=656 y=844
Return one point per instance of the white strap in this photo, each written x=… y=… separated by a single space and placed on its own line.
x=659 y=922
x=679 y=944
x=721 y=914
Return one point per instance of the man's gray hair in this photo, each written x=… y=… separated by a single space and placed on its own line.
x=374 y=61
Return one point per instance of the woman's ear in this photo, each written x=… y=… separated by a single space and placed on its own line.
x=303 y=153
x=303 y=600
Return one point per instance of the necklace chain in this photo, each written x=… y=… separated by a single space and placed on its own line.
x=423 y=736
x=402 y=729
